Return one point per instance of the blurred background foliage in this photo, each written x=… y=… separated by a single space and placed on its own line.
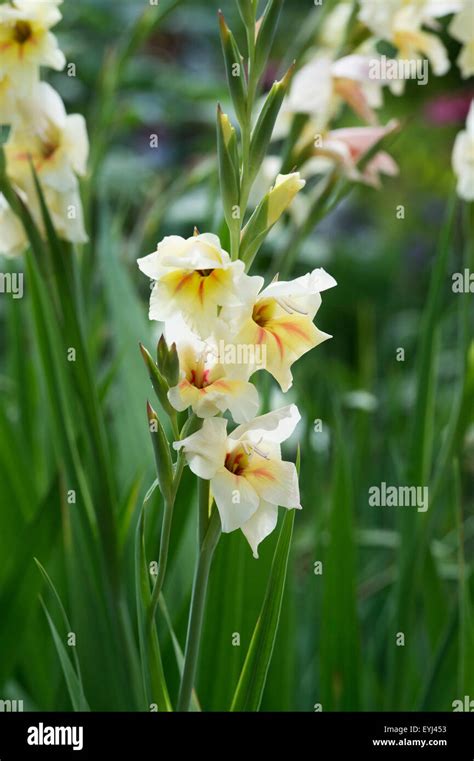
x=383 y=572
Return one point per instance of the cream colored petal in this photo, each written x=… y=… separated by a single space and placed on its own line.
x=311 y=88
x=260 y=525
x=276 y=426
x=206 y=449
x=76 y=142
x=149 y=265
x=182 y=396
x=67 y=214
x=235 y=498
x=287 y=339
x=239 y=397
x=275 y=481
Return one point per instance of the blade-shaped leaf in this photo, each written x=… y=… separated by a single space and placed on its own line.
x=74 y=685
x=249 y=692
x=74 y=679
x=152 y=668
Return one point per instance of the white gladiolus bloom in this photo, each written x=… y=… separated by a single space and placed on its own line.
x=462 y=29
x=319 y=88
x=280 y=319
x=26 y=42
x=401 y=23
x=57 y=145
x=210 y=384
x=249 y=480
x=56 y=142
x=463 y=159
x=193 y=278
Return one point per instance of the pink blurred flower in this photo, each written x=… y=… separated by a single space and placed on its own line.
x=347 y=146
x=448 y=109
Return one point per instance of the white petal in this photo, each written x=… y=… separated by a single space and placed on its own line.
x=206 y=449
x=275 y=481
x=276 y=426
x=75 y=133
x=353 y=67
x=151 y=265
x=49 y=103
x=235 y=498
x=303 y=292
x=245 y=406
x=311 y=89
x=260 y=525
x=148 y=265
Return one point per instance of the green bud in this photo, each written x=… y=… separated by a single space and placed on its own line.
x=160 y=385
x=266 y=34
x=228 y=168
x=172 y=368
x=168 y=362
x=234 y=70
x=161 y=448
x=263 y=130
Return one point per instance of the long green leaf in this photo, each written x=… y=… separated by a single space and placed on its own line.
x=73 y=683
x=154 y=682
x=73 y=680
x=249 y=692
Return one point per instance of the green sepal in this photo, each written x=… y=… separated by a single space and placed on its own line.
x=161 y=448
x=263 y=130
x=266 y=34
x=228 y=167
x=234 y=70
x=160 y=385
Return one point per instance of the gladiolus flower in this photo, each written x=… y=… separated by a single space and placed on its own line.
x=207 y=384
x=322 y=84
x=249 y=480
x=400 y=22
x=194 y=277
x=347 y=146
x=54 y=141
x=462 y=29
x=463 y=158
x=280 y=318
x=26 y=42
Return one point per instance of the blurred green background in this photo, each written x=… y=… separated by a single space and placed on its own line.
x=384 y=571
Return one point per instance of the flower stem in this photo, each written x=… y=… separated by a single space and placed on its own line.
x=203 y=518
x=246 y=127
x=193 y=639
x=165 y=541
